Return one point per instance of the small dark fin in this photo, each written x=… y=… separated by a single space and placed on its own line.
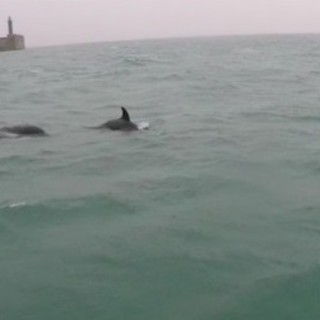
x=125 y=114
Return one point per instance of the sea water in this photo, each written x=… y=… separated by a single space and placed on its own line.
x=212 y=213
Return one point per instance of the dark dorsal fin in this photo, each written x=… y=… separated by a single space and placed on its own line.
x=125 y=115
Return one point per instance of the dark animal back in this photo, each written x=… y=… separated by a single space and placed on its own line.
x=24 y=130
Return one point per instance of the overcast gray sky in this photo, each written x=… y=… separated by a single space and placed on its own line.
x=52 y=22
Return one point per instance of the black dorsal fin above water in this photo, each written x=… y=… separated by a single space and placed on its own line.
x=125 y=115
x=123 y=123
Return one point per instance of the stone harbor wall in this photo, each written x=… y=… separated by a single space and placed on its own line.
x=3 y=43
x=12 y=42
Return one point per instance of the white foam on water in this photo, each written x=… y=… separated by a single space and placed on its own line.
x=17 y=204
x=143 y=125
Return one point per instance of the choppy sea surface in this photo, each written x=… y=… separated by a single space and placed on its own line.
x=212 y=213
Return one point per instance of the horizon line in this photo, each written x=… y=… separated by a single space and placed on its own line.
x=176 y=38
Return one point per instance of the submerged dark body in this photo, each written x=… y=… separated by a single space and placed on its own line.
x=24 y=130
x=123 y=123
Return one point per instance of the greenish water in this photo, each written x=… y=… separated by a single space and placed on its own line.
x=212 y=213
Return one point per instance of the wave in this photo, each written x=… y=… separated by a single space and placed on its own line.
x=284 y=296
x=263 y=115
x=86 y=206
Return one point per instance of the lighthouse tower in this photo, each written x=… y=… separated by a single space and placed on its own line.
x=11 y=41
x=10 y=27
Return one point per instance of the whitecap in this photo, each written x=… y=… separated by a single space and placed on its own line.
x=17 y=204
x=144 y=125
